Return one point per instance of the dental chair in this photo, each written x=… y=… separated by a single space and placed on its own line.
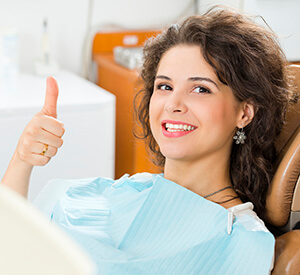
x=283 y=200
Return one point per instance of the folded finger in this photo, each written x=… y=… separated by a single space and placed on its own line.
x=44 y=149
x=38 y=159
x=45 y=137
x=52 y=125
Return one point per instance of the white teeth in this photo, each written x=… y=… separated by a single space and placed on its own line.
x=178 y=127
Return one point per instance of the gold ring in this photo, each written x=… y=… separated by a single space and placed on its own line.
x=45 y=149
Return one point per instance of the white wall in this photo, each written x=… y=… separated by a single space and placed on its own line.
x=283 y=16
x=68 y=22
x=205 y=4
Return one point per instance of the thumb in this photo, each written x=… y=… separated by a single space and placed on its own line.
x=50 y=104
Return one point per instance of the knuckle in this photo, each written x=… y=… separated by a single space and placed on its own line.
x=26 y=142
x=32 y=131
x=36 y=119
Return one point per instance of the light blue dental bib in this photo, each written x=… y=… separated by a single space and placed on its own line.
x=156 y=226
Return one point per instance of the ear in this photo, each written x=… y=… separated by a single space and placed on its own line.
x=246 y=114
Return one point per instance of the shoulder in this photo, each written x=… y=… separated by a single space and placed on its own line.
x=242 y=220
x=53 y=191
x=250 y=228
x=247 y=217
x=253 y=232
x=98 y=204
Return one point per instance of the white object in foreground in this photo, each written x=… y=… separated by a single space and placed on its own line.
x=30 y=244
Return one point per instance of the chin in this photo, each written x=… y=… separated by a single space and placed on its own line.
x=175 y=154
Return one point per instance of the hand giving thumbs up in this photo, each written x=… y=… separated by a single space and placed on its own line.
x=42 y=136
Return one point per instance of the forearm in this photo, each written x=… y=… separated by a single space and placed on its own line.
x=17 y=176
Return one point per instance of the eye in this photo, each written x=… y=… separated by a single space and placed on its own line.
x=164 y=87
x=201 y=90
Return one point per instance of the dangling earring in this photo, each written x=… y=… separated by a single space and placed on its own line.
x=240 y=136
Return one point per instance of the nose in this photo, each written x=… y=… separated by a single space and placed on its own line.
x=175 y=103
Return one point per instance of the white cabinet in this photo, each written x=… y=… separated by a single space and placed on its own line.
x=88 y=114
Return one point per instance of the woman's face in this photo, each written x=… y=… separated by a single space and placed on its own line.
x=192 y=114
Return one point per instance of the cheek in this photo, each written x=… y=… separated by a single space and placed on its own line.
x=155 y=108
x=219 y=114
x=225 y=116
x=153 y=113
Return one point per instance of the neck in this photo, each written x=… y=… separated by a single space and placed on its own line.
x=203 y=177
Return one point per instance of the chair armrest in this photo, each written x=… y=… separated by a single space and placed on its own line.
x=287 y=254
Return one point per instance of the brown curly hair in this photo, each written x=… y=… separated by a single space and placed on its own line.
x=246 y=57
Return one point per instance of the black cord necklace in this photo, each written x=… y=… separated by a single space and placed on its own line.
x=211 y=194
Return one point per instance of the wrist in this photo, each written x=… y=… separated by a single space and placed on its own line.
x=18 y=162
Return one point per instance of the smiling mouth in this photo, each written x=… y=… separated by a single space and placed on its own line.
x=178 y=127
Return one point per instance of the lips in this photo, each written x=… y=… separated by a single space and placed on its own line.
x=176 y=128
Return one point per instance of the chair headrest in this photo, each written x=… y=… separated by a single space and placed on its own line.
x=282 y=191
x=292 y=118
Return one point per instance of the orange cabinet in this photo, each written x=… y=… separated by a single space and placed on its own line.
x=131 y=156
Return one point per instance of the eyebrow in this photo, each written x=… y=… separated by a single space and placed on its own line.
x=195 y=78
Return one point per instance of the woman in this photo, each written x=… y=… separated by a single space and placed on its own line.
x=214 y=97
